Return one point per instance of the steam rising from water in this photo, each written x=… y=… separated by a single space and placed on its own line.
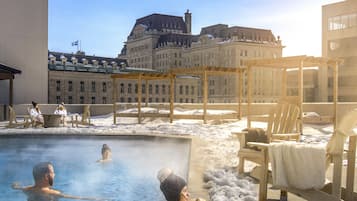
x=130 y=176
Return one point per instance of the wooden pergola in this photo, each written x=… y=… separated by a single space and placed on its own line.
x=293 y=62
x=140 y=77
x=196 y=71
x=204 y=72
x=8 y=73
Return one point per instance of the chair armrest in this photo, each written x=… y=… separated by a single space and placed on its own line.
x=241 y=137
x=260 y=145
x=278 y=136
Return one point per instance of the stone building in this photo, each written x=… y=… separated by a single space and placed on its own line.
x=162 y=42
x=80 y=79
x=339 y=39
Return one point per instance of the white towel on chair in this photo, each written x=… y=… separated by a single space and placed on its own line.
x=297 y=165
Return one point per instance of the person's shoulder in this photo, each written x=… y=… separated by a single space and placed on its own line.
x=52 y=191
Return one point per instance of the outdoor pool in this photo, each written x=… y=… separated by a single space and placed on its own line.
x=131 y=176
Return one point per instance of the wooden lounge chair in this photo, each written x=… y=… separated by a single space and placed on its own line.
x=332 y=191
x=13 y=123
x=84 y=117
x=282 y=121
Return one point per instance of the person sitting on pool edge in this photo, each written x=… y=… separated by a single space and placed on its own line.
x=174 y=187
x=43 y=174
x=106 y=154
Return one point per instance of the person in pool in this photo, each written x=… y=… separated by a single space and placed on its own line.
x=44 y=174
x=174 y=187
x=106 y=154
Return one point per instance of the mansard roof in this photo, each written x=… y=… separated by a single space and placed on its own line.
x=159 y=22
x=180 y=40
x=247 y=33
x=90 y=59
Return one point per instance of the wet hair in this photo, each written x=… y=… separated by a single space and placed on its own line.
x=172 y=186
x=40 y=169
x=106 y=148
x=34 y=103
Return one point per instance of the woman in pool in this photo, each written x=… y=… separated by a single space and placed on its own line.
x=106 y=154
x=174 y=187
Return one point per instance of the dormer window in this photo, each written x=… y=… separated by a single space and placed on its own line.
x=63 y=60
x=85 y=61
x=74 y=60
x=105 y=63
x=52 y=59
x=95 y=62
x=114 y=64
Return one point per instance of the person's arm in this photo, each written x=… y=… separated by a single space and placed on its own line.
x=81 y=198
x=17 y=186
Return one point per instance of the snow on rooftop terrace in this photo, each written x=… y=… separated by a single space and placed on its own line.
x=219 y=153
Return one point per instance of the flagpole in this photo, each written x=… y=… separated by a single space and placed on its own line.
x=80 y=45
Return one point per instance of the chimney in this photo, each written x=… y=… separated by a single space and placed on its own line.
x=188 y=19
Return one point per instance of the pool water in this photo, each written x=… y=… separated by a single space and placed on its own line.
x=131 y=176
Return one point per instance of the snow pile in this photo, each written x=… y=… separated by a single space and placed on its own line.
x=225 y=184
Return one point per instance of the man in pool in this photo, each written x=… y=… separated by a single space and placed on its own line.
x=44 y=174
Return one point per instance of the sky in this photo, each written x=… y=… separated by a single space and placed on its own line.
x=102 y=26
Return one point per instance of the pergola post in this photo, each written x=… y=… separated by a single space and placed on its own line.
x=205 y=96
x=249 y=93
x=114 y=99
x=283 y=82
x=240 y=87
x=140 y=88
x=172 y=87
x=301 y=93
x=11 y=93
x=146 y=92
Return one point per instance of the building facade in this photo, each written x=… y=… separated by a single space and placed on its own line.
x=163 y=42
x=339 y=40
x=82 y=79
x=23 y=45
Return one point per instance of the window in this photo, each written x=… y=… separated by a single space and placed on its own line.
x=58 y=99
x=129 y=100
x=58 y=85
x=122 y=100
x=143 y=88
x=82 y=86
x=186 y=90
x=157 y=100
x=150 y=89
x=163 y=100
x=121 y=88
x=163 y=89
x=104 y=86
x=181 y=90
x=70 y=86
x=192 y=90
x=93 y=86
x=129 y=88
x=81 y=100
x=93 y=99
x=70 y=100
x=157 y=89
x=104 y=100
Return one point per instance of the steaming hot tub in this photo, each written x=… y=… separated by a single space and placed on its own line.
x=130 y=176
